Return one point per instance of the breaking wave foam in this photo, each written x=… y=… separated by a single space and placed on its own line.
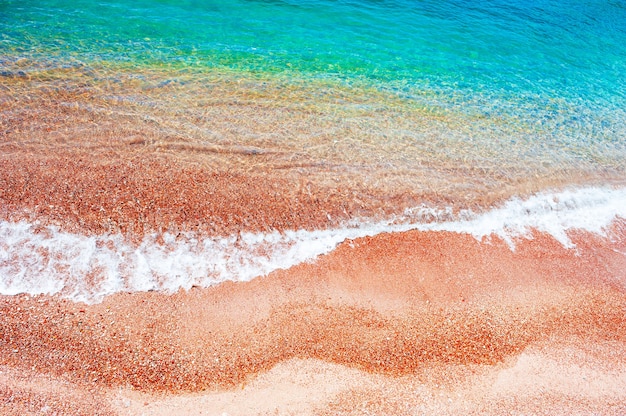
x=45 y=260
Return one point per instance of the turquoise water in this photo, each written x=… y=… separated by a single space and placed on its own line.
x=550 y=65
x=574 y=49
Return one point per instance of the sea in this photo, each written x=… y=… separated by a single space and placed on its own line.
x=500 y=119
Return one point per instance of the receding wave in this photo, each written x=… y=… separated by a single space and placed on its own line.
x=45 y=260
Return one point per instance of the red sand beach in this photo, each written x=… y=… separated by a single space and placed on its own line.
x=405 y=323
x=430 y=321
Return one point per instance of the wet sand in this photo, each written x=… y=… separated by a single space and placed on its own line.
x=393 y=324
x=135 y=196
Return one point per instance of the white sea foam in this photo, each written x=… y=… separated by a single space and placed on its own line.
x=587 y=209
x=45 y=260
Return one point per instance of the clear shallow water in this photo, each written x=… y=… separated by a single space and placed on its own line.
x=540 y=58
x=508 y=90
x=523 y=80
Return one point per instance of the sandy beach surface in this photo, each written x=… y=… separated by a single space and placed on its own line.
x=410 y=323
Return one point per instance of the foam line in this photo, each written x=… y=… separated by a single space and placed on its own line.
x=587 y=209
x=45 y=260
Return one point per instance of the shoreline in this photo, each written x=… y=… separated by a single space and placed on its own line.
x=86 y=268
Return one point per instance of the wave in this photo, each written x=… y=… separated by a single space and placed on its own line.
x=44 y=260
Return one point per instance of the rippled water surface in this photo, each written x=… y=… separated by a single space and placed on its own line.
x=559 y=63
